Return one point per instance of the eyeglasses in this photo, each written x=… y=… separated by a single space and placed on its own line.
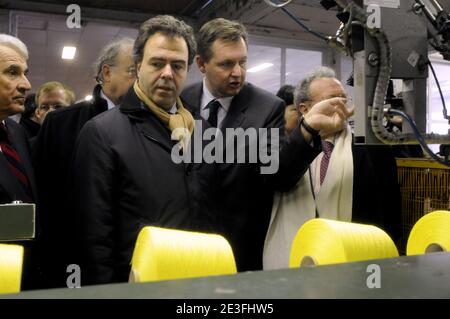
x=131 y=71
x=349 y=100
x=47 y=107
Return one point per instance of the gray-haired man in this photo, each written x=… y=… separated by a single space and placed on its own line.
x=16 y=172
x=52 y=152
x=15 y=181
x=346 y=182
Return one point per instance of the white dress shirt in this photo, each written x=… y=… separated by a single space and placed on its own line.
x=110 y=103
x=208 y=97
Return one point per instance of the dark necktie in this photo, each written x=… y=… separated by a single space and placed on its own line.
x=14 y=162
x=213 y=107
x=327 y=148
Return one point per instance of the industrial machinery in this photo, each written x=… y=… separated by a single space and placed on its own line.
x=389 y=39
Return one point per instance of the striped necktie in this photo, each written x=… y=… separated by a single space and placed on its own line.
x=14 y=163
x=327 y=149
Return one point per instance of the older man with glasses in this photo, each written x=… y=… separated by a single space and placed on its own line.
x=52 y=96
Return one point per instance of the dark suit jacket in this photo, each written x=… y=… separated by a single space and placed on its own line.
x=125 y=179
x=31 y=127
x=52 y=155
x=10 y=190
x=246 y=196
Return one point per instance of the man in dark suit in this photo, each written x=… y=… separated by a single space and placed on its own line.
x=54 y=147
x=227 y=102
x=347 y=182
x=16 y=172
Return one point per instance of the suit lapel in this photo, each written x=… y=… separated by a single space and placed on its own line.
x=236 y=113
x=192 y=98
x=9 y=182
x=235 y=116
x=22 y=149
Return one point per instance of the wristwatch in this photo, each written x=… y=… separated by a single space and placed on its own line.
x=308 y=128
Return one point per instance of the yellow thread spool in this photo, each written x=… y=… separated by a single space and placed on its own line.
x=430 y=234
x=322 y=241
x=166 y=254
x=11 y=261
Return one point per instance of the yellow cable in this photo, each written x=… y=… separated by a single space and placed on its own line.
x=11 y=261
x=165 y=254
x=431 y=233
x=323 y=241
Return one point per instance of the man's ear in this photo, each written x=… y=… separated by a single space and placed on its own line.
x=303 y=108
x=106 y=73
x=138 y=67
x=200 y=63
x=37 y=113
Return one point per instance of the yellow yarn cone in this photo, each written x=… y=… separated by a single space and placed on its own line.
x=11 y=261
x=165 y=254
x=431 y=233
x=322 y=242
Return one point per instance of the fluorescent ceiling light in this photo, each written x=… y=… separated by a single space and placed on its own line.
x=260 y=67
x=88 y=97
x=68 y=53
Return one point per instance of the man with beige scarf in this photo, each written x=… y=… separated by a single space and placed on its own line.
x=346 y=182
x=123 y=173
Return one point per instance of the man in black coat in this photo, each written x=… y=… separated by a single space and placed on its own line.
x=53 y=151
x=16 y=172
x=228 y=102
x=125 y=175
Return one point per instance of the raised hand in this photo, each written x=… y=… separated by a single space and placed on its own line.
x=328 y=116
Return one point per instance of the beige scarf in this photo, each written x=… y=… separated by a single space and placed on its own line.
x=180 y=124
x=292 y=209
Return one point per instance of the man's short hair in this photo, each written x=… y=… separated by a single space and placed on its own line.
x=301 y=93
x=15 y=44
x=50 y=86
x=108 y=55
x=168 y=26
x=219 y=28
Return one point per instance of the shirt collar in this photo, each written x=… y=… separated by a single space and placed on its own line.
x=225 y=102
x=110 y=103
x=331 y=139
x=173 y=109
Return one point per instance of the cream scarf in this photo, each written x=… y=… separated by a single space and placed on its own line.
x=292 y=209
x=180 y=124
